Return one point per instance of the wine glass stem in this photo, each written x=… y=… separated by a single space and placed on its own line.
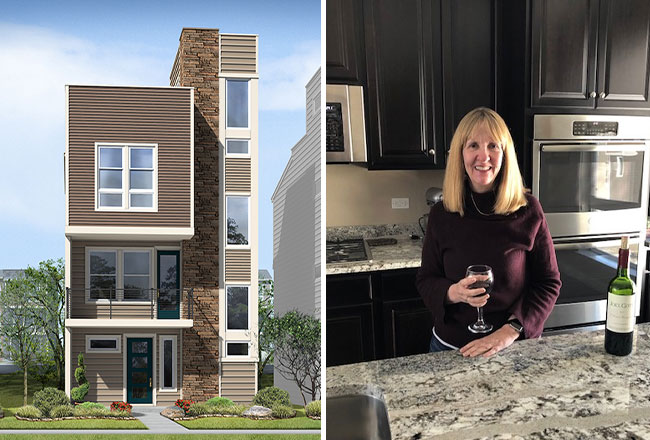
x=480 y=315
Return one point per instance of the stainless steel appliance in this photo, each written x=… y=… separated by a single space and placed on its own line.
x=590 y=173
x=345 y=139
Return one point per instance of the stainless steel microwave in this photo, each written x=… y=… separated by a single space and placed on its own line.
x=345 y=139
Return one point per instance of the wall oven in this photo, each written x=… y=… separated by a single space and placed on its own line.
x=590 y=173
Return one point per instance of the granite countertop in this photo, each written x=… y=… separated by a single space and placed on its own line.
x=557 y=387
x=407 y=252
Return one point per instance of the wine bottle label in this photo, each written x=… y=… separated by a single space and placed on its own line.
x=620 y=313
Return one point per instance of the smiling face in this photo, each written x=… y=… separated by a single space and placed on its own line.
x=482 y=157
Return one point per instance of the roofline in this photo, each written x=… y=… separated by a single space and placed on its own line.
x=128 y=86
x=284 y=173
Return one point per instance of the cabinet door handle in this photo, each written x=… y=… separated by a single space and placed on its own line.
x=432 y=152
x=592 y=95
x=602 y=95
x=150 y=383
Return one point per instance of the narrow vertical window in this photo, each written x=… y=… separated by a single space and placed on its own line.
x=141 y=177
x=236 y=103
x=237 y=219
x=168 y=363
x=110 y=183
x=237 y=305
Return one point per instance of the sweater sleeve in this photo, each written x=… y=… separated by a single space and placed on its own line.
x=430 y=281
x=533 y=308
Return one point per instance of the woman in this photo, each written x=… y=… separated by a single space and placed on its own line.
x=486 y=217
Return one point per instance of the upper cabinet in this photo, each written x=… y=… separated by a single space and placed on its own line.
x=345 y=59
x=590 y=54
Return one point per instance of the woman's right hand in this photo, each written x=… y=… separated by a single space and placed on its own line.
x=461 y=292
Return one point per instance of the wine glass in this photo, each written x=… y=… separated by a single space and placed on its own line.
x=482 y=270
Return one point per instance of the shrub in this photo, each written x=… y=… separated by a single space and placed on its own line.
x=282 y=412
x=118 y=414
x=88 y=411
x=268 y=397
x=220 y=401
x=232 y=410
x=78 y=394
x=313 y=409
x=91 y=405
x=48 y=398
x=184 y=404
x=121 y=406
x=61 y=411
x=198 y=409
x=29 y=411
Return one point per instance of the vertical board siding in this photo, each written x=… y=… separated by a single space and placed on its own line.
x=238 y=381
x=105 y=371
x=126 y=115
x=238 y=265
x=238 y=174
x=238 y=53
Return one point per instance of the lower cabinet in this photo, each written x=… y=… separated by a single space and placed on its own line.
x=375 y=315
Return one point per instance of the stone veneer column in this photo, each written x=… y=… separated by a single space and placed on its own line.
x=199 y=68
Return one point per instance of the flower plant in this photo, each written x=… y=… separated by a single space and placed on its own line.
x=121 y=406
x=184 y=404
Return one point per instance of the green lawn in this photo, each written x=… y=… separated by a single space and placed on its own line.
x=164 y=436
x=12 y=423
x=299 y=422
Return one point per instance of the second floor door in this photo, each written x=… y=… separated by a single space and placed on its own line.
x=169 y=296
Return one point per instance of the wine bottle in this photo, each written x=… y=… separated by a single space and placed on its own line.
x=619 y=328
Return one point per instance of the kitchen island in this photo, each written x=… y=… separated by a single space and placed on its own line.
x=557 y=387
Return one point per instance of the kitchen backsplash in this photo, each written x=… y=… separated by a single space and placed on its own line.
x=356 y=196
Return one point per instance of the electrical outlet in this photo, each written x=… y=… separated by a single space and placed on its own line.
x=400 y=203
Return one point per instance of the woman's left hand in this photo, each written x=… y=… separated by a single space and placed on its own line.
x=492 y=343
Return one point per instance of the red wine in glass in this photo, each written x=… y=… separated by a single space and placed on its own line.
x=480 y=326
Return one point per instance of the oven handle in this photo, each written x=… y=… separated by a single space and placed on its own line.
x=580 y=243
x=630 y=146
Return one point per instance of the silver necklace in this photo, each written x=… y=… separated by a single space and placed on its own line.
x=471 y=195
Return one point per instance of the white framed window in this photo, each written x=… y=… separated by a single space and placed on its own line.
x=103 y=343
x=168 y=362
x=237 y=307
x=238 y=147
x=126 y=178
x=237 y=103
x=119 y=274
x=238 y=221
x=237 y=349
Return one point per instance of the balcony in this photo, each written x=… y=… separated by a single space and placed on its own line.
x=159 y=305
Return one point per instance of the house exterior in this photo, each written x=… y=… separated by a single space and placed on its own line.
x=161 y=229
x=297 y=225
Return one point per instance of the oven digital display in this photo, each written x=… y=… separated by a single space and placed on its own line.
x=595 y=128
x=333 y=127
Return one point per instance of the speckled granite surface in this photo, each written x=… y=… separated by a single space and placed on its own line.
x=407 y=252
x=557 y=387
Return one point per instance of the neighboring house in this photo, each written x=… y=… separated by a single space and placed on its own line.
x=7 y=366
x=296 y=225
x=161 y=229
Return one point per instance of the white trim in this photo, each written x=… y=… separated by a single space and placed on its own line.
x=180 y=353
x=68 y=361
x=116 y=338
x=161 y=363
x=248 y=308
x=130 y=323
x=129 y=233
x=248 y=225
x=125 y=191
x=248 y=147
x=236 y=75
x=126 y=336
x=192 y=158
x=248 y=96
x=66 y=158
x=127 y=85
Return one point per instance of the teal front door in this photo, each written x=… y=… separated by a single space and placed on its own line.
x=139 y=370
x=169 y=284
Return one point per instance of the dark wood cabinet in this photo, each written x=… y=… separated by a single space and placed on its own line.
x=344 y=52
x=374 y=316
x=590 y=54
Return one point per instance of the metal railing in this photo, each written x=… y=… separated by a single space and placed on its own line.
x=129 y=303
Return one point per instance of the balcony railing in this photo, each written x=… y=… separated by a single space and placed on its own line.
x=106 y=303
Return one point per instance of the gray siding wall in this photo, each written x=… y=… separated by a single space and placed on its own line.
x=238 y=381
x=130 y=115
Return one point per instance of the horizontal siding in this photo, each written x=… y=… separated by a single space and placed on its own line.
x=238 y=53
x=175 y=75
x=126 y=115
x=238 y=265
x=238 y=381
x=238 y=174
x=104 y=371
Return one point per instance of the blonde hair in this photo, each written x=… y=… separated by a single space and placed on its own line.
x=509 y=184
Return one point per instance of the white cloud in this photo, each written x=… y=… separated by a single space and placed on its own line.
x=283 y=80
x=36 y=64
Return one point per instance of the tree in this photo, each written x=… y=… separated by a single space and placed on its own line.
x=265 y=315
x=20 y=336
x=46 y=294
x=296 y=336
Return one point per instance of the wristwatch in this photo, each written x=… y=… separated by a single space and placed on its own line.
x=514 y=323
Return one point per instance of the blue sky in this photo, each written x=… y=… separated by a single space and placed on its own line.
x=45 y=45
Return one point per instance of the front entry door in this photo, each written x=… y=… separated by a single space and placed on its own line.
x=169 y=284
x=139 y=370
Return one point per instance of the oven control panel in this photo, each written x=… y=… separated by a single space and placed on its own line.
x=334 y=127
x=595 y=128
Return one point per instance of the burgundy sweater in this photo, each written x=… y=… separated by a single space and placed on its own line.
x=520 y=251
